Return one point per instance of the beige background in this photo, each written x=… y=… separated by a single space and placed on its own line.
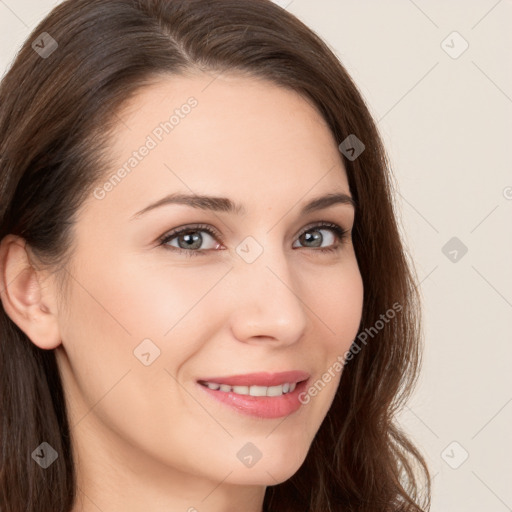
x=447 y=122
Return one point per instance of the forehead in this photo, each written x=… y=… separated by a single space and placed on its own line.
x=230 y=135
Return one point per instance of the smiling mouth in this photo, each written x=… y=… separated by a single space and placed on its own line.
x=261 y=394
x=282 y=389
x=260 y=384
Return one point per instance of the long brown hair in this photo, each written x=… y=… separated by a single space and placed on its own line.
x=56 y=114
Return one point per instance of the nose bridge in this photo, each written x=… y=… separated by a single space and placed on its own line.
x=267 y=303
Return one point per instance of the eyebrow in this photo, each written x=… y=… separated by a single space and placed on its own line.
x=224 y=204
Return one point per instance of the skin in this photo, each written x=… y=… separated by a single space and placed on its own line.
x=149 y=434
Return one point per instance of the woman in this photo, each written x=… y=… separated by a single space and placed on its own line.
x=262 y=375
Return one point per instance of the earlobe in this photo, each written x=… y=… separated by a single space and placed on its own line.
x=30 y=306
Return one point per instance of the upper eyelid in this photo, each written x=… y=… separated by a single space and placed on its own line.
x=213 y=231
x=192 y=227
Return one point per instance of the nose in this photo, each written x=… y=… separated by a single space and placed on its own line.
x=266 y=304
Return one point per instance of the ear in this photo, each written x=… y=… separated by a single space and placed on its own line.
x=29 y=305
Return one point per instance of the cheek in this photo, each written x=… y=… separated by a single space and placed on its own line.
x=158 y=299
x=338 y=302
x=339 y=308
x=111 y=311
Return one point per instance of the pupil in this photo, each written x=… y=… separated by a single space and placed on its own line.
x=190 y=239
x=316 y=236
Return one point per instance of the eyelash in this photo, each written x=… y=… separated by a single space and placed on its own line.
x=341 y=233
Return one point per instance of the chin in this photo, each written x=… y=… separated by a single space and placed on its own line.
x=272 y=470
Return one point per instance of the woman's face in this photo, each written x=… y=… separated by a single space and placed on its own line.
x=147 y=324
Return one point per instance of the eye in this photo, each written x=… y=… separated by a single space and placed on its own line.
x=316 y=239
x=189 y=240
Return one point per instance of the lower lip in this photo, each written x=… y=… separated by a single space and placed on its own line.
x=260 y=406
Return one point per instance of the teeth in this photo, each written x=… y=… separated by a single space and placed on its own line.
x=274 y=391
x=254 y=390
x=258 y=391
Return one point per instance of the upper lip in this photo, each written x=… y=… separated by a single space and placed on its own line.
x=260 y=378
